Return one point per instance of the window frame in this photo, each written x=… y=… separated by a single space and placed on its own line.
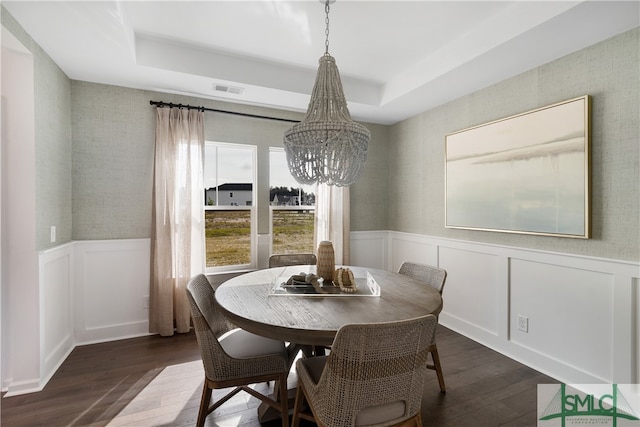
x=253 y=209
x=284 y=207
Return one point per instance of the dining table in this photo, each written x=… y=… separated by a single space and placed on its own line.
x=249 y=302
x=309 y=322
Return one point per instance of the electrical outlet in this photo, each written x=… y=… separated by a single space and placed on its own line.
x=53 y=234
x=146 y=302
x=523 y=323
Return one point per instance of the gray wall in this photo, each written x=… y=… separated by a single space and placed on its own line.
x=52 y=141
x=94 y=152
x=370 y=195
x=113 y=133
x=113 y=139
x=607 y=71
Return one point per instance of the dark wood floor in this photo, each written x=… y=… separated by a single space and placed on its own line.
x=154 y=381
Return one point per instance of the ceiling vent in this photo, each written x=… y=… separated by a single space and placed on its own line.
x=228 y=89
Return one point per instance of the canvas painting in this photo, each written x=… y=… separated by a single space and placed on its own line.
x=527 y=173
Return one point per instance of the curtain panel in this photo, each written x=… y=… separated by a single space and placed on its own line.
x=332 y=221
x=177 y=243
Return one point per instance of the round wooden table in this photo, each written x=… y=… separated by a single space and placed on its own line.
x=305 y=320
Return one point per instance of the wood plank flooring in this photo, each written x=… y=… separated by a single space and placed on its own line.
x=155 y=381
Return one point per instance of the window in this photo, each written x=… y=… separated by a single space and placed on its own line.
x=230 y=225
x=292 y=208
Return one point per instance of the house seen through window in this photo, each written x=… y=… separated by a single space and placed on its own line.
x=229 y=203
x=292 y=208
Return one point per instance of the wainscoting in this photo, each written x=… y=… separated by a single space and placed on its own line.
x=582 y=312
x=56 y=308
x=111 y=289
x=89 y=291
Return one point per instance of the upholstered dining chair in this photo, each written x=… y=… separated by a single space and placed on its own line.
x=436 y=278
x=374 y=376
x=233 y=357
x=285 y=260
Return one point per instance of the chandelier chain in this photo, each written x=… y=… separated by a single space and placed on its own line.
x=326 y=31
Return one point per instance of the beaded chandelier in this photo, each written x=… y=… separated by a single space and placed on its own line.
x=327 y=146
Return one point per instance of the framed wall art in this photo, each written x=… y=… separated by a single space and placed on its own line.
x=527 y=173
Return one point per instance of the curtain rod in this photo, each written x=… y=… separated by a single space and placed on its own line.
x=190 y=107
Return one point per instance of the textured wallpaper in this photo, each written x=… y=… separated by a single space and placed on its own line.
x=607 y=71
x=113 y=143
x=113 y=134
x=52 y=142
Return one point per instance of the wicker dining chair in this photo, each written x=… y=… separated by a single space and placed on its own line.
x=436 y=278
x=285 y=260
x=374 y=376
x=233 y=357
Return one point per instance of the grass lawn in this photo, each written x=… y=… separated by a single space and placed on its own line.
x=228 y=237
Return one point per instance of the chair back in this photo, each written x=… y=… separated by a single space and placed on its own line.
x=375 y=365
x=434 y=276
x=285 y=260
x=208 y=324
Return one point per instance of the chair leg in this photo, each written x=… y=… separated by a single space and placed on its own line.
x=297 y=407
x=438 y=368
x=284 y=400
x=204 y=404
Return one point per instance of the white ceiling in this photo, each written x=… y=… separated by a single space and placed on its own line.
x=396 y=58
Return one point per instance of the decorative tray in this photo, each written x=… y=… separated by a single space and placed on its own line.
x=285 y=286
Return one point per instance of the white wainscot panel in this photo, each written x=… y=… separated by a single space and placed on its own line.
x=113 y=289
x=471 y=291
x=56 y=321
x=407 y=247
x=635 y=298
x=583 y=312
x=369 y=249
x=569 y=313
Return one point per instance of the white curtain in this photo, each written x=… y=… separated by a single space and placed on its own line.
x=333 y=220
x=177 y=244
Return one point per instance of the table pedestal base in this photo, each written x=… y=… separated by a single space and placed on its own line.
x=268 y=413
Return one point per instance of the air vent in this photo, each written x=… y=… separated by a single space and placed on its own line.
x=228 y=89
